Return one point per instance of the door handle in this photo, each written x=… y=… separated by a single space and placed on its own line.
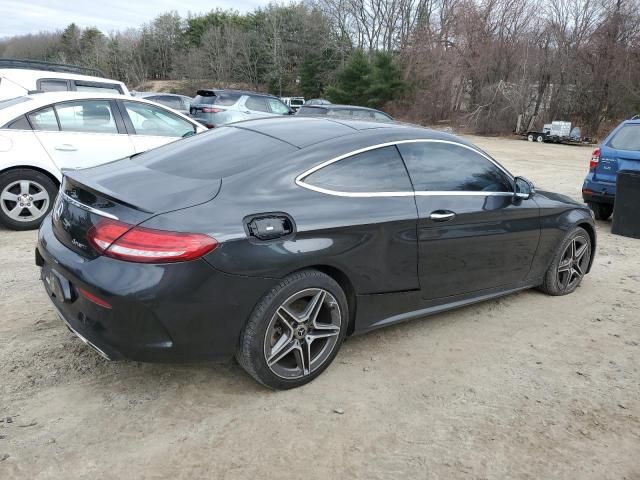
x=441 y=215
x=66 y=147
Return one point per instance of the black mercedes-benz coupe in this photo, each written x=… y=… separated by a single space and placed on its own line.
x=272 y=240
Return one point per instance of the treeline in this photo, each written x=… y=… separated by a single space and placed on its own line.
x=485 y=64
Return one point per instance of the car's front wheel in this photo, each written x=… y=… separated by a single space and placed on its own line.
x=295 y=331
x=569 y=265
x=601 y=211
x=26 y=196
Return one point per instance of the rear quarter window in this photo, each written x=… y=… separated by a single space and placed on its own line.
x=374 y=171
x=627 y=138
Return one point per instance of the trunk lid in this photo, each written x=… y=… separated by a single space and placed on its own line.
x=123 y=191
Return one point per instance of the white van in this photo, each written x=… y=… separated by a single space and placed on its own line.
x=19 y=77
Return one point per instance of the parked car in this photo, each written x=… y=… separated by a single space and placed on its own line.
x=274 y=240
x=317 y=101
x=294 y=103
x=179 y=103
x=619 y=151
x=21 y=77
x=214 y=108
x=344 y=111
x=42 y=134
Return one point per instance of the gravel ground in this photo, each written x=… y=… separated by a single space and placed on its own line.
x=527 y=386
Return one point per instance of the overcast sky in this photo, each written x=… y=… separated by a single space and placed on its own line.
x=18 y=17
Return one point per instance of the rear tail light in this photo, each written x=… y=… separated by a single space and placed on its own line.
x=145 y=245
x=595 y=158
x=211 y=110
x=92 y=298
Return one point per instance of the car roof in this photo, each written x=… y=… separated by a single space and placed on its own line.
x=37 y=100
x=336 y=106
x=303 y=132
x=21 y=73
x=156 y=94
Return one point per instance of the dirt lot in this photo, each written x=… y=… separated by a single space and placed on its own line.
x=527 y=386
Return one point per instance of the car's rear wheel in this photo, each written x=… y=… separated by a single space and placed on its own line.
x=569 y=265
x=295 y=331
x=530 y=137
x=26 y=196
x=601 y=211
x=539 y=139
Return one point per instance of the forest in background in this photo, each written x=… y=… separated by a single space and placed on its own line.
x=479 y=64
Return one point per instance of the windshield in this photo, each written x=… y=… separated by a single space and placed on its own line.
x=224 y=99
x=627 y=138
x=13 y=101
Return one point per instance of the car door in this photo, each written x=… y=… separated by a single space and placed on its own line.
x=255 y=106
x=472 y=233
x=152 y=126
x=81 y=133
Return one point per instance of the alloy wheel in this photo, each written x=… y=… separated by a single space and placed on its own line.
x=302 y=333
x=24 y=200
x=574 y=263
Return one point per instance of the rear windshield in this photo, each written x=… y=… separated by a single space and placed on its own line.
x=627 y=138
x=297 y=101
x=12 y=101
x=224 y=99
x=215 y=154
x=312 y=111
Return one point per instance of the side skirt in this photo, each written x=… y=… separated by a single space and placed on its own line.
x=380 y=310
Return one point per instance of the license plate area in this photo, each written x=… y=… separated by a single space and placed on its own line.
x=56 y=285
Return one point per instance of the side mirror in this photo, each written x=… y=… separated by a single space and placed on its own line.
x=523 y=188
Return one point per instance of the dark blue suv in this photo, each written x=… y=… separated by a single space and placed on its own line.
x=619 y=151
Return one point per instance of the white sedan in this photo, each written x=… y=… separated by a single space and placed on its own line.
x=42 y=134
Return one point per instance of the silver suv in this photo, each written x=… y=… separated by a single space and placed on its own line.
x=214 y=108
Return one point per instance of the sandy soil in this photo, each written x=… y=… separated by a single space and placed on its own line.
x=527 y=387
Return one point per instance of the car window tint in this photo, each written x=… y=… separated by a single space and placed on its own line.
x=98 y=87
x=151 y=120
x=235 y=150
x=20 y=123
x=627 y=138
x=445 y=167
x=53 y=85
x=257 y=104
x=90 y=116
x=167 y=101
x=312 y=111
x=379 y=170
x=277 y=106
x=339 y=112
x=13 y=101
x=221 y=98
x=362 y=114
x=44 y=119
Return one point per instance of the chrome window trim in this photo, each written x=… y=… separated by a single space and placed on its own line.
x=75 y=202
x=422 y=193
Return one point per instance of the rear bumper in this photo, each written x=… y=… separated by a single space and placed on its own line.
x=159 y=313
x=598 y=191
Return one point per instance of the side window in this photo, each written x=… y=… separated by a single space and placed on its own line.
x=278 y=107
x=87 y=116
x=380 y=116
x=20 y=123
x=52 y=85
x=379 y=170
x=44 y=119
x=362 y=114
x=258 y=104
x=167 y=101
x=98 y=87
x=154 y=121
x=445 y=167
x=342 y=112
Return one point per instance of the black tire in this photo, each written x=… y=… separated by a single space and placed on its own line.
x=38 y=184
x=554 y=280
x=602 y=211
x=540 y=139
x=252 y=350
